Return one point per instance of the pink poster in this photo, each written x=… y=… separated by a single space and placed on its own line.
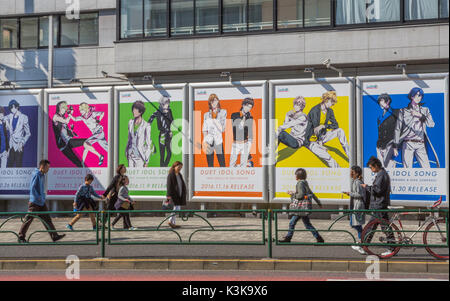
x=77 y=142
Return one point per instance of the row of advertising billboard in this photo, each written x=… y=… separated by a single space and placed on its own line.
x=239 y=141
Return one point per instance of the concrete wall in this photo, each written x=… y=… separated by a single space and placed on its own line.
x=11 y=7
x=284 y=50
x=29 y=67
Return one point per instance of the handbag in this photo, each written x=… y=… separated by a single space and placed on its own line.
x=168 y=204
x=125 y=205
x=305 y=204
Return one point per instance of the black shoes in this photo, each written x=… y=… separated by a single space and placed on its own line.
x=22 y=240
x=58 y=237
x=285 y=239
x=320 y=240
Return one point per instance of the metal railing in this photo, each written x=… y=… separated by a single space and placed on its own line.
x=268 y=229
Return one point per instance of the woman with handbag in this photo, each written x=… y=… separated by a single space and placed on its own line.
x=302 y=198
x=124 y=202
x=176 y=191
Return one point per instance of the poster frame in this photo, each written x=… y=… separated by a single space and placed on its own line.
x=111 y=135
x=156 y=87
x=272 y=146
x=407 y=77
x=39 y=93
x=212 y=199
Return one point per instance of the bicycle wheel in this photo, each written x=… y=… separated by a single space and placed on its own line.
x=373 y=233
x=436 y=234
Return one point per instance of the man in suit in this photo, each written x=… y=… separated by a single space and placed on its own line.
x=411 y=131
x=140 y=145
x=323 y=127
x=4 y=139
x=19 y=134
x=386 y=122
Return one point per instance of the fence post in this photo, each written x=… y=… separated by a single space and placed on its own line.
x=103 y=234
x=269 y=232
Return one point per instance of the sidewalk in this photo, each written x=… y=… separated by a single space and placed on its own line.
x=201 y=257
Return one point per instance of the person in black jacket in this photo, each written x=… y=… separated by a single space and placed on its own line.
x=176 y=190
x=323 y=127
x=380 y=199
x=386 y=122
x=112 y=191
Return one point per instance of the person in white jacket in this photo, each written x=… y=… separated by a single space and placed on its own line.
x=140 y=145
x=213 y=127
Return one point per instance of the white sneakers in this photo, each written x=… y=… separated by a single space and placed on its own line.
x=387 y=253
x=359 y=250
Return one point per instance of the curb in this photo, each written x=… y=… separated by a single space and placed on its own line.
x=231 y=264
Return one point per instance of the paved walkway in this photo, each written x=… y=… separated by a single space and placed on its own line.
x=193 y=229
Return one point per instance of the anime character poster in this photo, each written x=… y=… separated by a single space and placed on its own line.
x=77 y=140
x=20 y=116
x=150 y=136
x=404 y=126
x=312 y=131
x=228 y=142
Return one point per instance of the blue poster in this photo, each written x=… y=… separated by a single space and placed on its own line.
x=404 y=127
x=19 y=133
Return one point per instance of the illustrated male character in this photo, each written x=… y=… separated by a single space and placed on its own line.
x=386 y=122
x=140 y=145
x=19 y=133
x=323 y=127
x=64 y=134
x=242 y=133
x=411 y=131
x=91 y=119
x=164 y=119
x=4 y=139
x=213 y=126
x=297 y=121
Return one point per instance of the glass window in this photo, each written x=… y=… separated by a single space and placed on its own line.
x=69 y=31
x=89 y=29
x=350 y=12
x=260 y=14
x=444 y=8
x=234 y=15
x=421 y=9
x=383 y=11
x=8 y=31
x=28 y=33
x=364 y=11
x=290 y=14
x=317 y=13
x=206 y=16
x=43 y=31
x=155 y=18
x=131 y=19
x=182 y=21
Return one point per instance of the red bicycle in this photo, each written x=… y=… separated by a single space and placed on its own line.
x=435 y=234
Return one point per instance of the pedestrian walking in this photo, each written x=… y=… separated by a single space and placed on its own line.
x=84 y=201
x=112 y=190
x=357 y=193
x=37 y=204
x=302 y=191
x=379 y=191
x=124 y=202
x=176 y=190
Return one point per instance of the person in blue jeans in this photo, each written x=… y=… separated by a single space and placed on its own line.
x=302 y=190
